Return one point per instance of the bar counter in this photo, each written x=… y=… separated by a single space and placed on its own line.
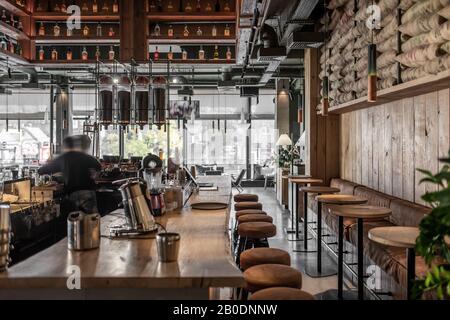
x=129 y=268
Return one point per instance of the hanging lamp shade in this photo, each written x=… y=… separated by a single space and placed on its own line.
x=372 y=73
x=325 y=97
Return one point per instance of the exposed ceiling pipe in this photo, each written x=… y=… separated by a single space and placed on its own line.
x=249 y=47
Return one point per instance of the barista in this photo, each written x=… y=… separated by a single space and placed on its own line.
x=78 y=170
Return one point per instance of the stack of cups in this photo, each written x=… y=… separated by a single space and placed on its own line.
x=5 y=235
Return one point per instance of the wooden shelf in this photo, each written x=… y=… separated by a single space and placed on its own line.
x=13 y=58
x=12 y=32
x=68 y=63
x=57 y=16
x=192 y=40
x=196 y=61
x=12 y=7
x=76 y=40
x=405 y=90
x=193 y=17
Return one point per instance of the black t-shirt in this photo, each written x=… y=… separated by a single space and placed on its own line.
x=78 y=170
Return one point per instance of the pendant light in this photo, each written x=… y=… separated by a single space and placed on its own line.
x=372 y=67
x=325 y=82
x=300 y=103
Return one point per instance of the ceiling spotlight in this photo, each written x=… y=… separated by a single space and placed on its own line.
x=116 y=80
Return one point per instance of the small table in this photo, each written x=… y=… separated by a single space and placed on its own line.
x=359 y=213
x=291 y=187
x=400 y=237
x=302 y=182
x=319 y=191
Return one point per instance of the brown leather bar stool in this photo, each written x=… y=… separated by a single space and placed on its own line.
x=250 y=211
x=254 y=235
x=247 y=205
x=266 y=276
x=281 y=294
x=254 y=218
x=256 y=256
x=243 y=197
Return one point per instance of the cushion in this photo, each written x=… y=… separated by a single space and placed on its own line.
x=247 y=205
x=257 y=256
x=245 y=197
x=250 y=211
x=374 y=198
x=255 y=218
x=257 y=230
x=272 y=275
x=345 y=186
x=281 y=294
x=407 y=214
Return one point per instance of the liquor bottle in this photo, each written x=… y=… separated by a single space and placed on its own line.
x=159 y=6
x=56 y=8
x=85 y=7
x=86 y=31
x=3 y=44
x=112 y=53
x=95 y=7
x=19 y=50
x=170 y=7
x=188 y=7
x=170 y=32
x=186 y=31
x=216 y=53
x=152 y=6
x=99 y=30
x=64 y=6
x=56 y=30
x=115 y=7
x=170 y=54
x=12 y=21
x=208 y=7
x=69 y=54
x=84 y=54
x=217 y=6
x=156 y=54
x=214 y=31
x=4 y=18
x=198 y=7
x=111 y=32
x=41 y=31
x=20 y=26
x=228 y=54
x=201 y=53
x=184 y=55
x=39 y=7
x=97 y=53
x=157 y=30
x=199 y=32
x=105 y=7
x=227 y=31
x=226 y=7
x=54 y=54
x=69 y=32
x=41 y=54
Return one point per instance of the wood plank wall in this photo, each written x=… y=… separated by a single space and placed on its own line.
x=382 y=147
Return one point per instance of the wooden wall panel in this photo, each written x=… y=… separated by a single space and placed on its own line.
x=382 y=147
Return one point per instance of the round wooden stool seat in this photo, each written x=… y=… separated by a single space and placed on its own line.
x=257 y=256
x=272 y=275
x=281 y=294
x=250 y=211
x=247 y=205
x=245 y=197
x=257 y=230
x=255 y=218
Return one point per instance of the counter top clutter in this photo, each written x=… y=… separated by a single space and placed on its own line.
x=204 y=260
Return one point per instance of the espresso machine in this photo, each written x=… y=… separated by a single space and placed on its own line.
x=153 y=175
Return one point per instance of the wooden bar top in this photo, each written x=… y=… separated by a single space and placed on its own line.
x=204 y=261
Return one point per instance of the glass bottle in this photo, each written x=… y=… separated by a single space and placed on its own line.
x=41 y=54
x=208 y=7
x=201 y=53
x=217 y=6
x=157 y=30
x=84 y=54
x=20 y=26
x=226 y=7
x=214 y=31
x=64 y=6
x=19 y=50
x=229 y=54
x=186 y=31
x=156 y=54
x=105 y=7
x=188 y=7
x=69 y=32
x=54 y=54
x=97 y=53
x=199 y=32
x=4 y=18
x=184 y=55
x=152 y=6
x=170 y=32
x=56 y=8
x=56 y=30
x=112 y=53
x=86 y=31
x=85 y=7
x=198 y=7
x=115 y=7
x=12 y=21
x=170 y=54
x=41 y=31
x=216 y=53
x=95 y=7
x=99 y=30
x=227 y=31
x=11 y=46
x=170 y=7
x=111 y=32
x=69 y=54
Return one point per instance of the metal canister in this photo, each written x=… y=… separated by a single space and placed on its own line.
x=5 y=235
x=83 y=231
x=168 y=246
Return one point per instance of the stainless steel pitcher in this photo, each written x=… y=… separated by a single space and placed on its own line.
x=83 y=231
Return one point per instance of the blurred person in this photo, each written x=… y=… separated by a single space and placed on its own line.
x=78 y=170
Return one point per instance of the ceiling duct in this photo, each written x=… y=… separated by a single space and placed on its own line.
x=249 y=92
x=270 y=51
x=226 y=83
x=302 y=40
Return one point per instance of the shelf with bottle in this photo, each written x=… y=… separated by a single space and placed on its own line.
x=76 y=54
x=191 y=33
x=16 y=7
x=190 y=6
x=192 y=54
x=50 y=10
x=11 y=49
x=11 y=25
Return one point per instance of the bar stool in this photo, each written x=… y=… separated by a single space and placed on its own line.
x=254 y=234
x=256 y=256
x=245 y=197
x=247 y=205
x=281 y=294
x=250 y=211
x=254 y=218
x=266 y=276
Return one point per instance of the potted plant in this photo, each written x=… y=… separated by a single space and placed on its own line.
x=433 y=243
